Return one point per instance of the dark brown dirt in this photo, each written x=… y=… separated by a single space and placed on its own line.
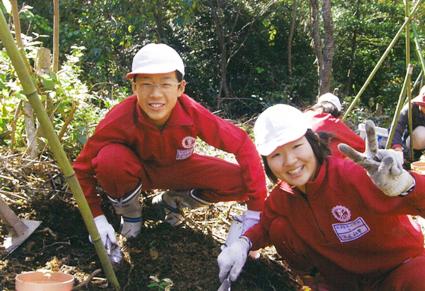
x=161 y=258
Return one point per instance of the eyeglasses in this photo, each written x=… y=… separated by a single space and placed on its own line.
x=166 y=86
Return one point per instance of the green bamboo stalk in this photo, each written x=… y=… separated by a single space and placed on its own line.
x=399 y=107
x=56 y=147
x=417 y=81
x=381 y=60
x=55 y=36
x=409 y=76
x=418 y=47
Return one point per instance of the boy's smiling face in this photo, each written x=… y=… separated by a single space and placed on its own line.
x=157 y=95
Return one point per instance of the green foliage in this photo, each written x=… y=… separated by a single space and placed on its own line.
x=257 y=69
x=160 y=284
x=68 y=102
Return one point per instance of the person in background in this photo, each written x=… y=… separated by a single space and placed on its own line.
x=325 y=120
x=147 y=142
x=401 y=140
x=346 y=220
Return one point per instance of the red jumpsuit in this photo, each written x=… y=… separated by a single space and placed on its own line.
x=126 y=149
x=357 y=237
x=341 y=133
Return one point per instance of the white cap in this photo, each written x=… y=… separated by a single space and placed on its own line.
x=331 y=98
x=420 y=99
x=156 y=58
x=277 y=126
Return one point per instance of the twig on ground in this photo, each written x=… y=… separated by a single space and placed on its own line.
x=87 y=281
x=56 y=243
x=46 y=229
x=6 y=194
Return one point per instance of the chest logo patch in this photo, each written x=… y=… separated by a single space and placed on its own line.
x=352 y=230
x=188 y=142
x=341 y=213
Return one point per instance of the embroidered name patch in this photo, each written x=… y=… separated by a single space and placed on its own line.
x=351 y=230
x=184 y=154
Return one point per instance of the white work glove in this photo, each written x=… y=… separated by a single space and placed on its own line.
x=109 y=240
x=249 y=219
x=384 y=167
x=232 y=259
x=240 y=225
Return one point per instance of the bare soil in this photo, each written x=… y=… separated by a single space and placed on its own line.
x=161 y=258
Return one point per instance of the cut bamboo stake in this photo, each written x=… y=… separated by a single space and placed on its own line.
x=381 y=60
x=56 y=147
x=398 y=109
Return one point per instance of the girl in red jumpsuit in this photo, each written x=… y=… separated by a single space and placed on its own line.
x=331 y=215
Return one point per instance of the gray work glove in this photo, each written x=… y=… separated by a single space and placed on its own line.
x=232 y=259
x=172 y=202
x=384 y=167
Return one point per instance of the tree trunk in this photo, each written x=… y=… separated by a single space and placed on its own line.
x=217 y=13
x=328 y=49
x=157 y=9
x=315 y=31
x=324 y=52
x=349 y=89
x=291 y=35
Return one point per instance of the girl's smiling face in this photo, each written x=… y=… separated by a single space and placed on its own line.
x=294 y=163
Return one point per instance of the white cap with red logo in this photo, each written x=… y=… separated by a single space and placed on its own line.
x=156 y=58
x=277 y=126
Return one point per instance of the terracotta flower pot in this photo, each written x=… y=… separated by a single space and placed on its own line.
x=44 y=281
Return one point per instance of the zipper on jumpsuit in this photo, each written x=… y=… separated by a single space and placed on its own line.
x=304 y=196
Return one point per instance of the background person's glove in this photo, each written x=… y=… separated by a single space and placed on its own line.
x=384 y=167
x=232 y=259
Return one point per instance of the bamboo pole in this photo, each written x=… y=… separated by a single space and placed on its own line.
x=16 y=22
x=418 y=48
x=381 y=60
x=56 y=147
x=409 y=80
x=399 y=107
x=55 y=36
x=417 y=81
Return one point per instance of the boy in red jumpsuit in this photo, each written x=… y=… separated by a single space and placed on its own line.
x=325 y=119
x=147 y=142
x=346 y=220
